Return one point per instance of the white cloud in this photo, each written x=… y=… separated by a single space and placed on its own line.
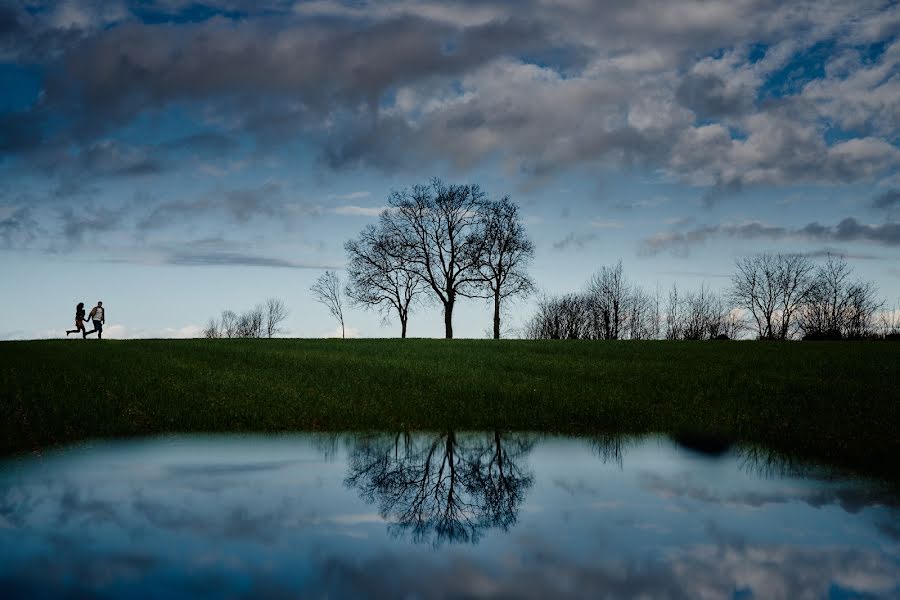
x=359 y=211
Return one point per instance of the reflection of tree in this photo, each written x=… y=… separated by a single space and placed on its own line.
x=442 y=487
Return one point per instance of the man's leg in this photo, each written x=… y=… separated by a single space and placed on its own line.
x=98 y=327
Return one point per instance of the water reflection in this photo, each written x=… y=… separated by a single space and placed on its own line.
x=444 y=487
x=395 y=515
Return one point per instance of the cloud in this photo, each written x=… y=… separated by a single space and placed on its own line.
x=400 y=84
x=887 y=200
x=18 y=227
x=847 y=230
x=351 y=196
x=359 y=211
x=239 y=205
x=87 y=220
x=235 y=259
x=576 y=240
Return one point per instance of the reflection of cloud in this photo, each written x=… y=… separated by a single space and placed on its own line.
x=697 y=572
x=851 y=499
x=218 y=469
x=239 y=522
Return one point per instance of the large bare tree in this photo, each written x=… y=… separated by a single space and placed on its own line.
x=380 y=275
x=837 y=305
x=506 y=254
x=437 y=231
x=772 y=288
x=327 y=290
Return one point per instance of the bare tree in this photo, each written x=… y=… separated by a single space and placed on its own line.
x=327 y=290
x=436 y=226
x=560 y=318
x=837 y=306
x=506 y=254
x=250 y=323
x=772 y=288
x=643 y=315
x=889 y=321
x=229 y=324
x=608 y=295
x=212 y=330
x=275 y=314
x=674 y=318
x=381 y=276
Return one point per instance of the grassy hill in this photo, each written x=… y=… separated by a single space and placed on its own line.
x=839 y=402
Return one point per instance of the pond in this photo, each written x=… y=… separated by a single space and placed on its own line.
x=437 y=515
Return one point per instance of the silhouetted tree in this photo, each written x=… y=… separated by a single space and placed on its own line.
x=229 y=324
x=444 y=487
x=436 y=227
x=772 y=288
x=275 y=314
x=506 y=254
x=836 y=305
x=249 y=324
x=381 y=276
x=327 y=290
x=607 y=302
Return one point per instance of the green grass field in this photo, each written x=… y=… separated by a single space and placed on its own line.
x=837 y=402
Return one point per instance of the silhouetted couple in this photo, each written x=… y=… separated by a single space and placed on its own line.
x=98 y=316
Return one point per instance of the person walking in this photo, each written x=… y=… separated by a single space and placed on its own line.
x=79 y=321
x=98 y=316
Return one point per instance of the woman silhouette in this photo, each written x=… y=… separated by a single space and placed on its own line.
x=79 y=321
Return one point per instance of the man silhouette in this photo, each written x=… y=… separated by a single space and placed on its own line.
x=98 y=316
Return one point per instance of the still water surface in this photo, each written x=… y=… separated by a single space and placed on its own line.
x=437 y=515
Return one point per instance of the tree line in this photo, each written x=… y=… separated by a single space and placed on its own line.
x=262 y=321
x=770 y=297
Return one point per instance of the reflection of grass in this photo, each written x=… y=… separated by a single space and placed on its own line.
x=835 y=401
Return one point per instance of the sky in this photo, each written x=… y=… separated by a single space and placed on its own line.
x=174 y=159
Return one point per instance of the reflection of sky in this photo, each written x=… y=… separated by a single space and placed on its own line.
x=188 y=516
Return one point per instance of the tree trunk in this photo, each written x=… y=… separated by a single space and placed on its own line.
x=403 y=328
x=448 y=319
x=496 y=315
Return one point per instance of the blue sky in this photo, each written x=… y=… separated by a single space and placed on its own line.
x=175 y=159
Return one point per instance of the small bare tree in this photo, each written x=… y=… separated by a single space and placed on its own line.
x=381 y=276
x=229 y=324
x=275 y=314
x=506 y=254
x=674 y=318
x=250 y=323
x=327 y=290
x=608 y=294
x=212 y=330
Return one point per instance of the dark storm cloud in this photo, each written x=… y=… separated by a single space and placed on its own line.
x=847 y=230
x=887 y=200
x=132 y=68
x=401 y=85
